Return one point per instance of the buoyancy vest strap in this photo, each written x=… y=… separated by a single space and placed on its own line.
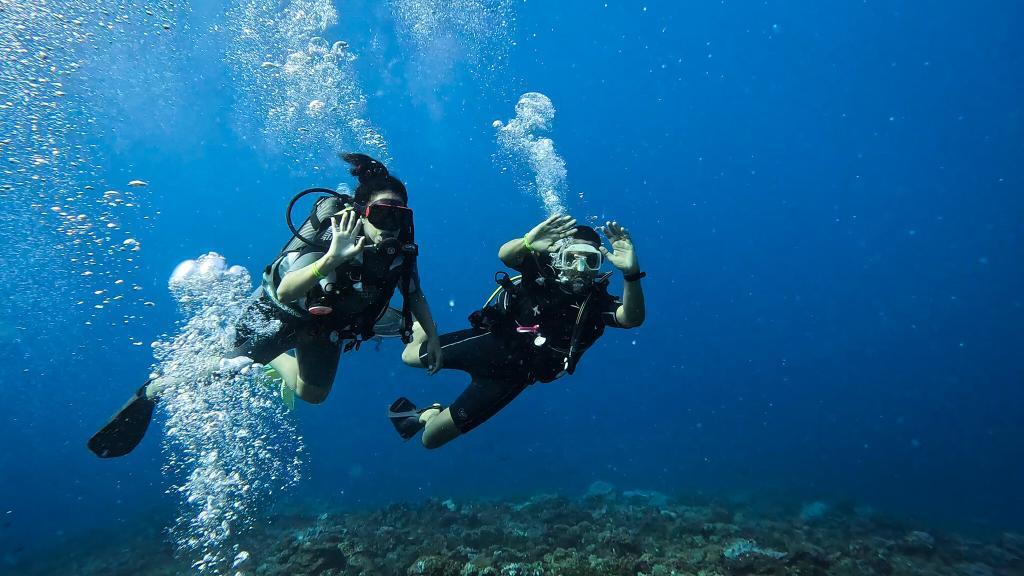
x=408 y=261
x=400 y=277
x=574 y=340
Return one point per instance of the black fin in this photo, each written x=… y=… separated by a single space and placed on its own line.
x=389 y=324
x=405 y=418
x=125 y=430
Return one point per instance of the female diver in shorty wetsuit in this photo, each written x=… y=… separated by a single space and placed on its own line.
x=536 y=330
x=326 y=301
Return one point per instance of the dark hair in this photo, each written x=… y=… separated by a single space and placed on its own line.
x=587 y=234
x=373 y=177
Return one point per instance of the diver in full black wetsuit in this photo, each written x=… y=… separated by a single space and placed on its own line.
x=329 y=289
x=534 y=328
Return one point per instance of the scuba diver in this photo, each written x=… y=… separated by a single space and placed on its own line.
x=533 y=328
x=328 y=291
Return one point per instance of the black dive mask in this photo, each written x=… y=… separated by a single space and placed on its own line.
x=386 y=216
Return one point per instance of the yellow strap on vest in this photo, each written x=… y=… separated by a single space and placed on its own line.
x=500 y=288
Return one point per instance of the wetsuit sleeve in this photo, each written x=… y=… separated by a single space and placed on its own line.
x=608 y=307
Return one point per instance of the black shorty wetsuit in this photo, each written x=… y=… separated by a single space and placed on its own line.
x=503 y=362
x=318 y=340
x=315 y=350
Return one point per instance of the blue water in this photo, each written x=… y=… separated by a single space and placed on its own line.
x=826 y=197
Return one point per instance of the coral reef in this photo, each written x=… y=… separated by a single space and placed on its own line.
x=604 y=532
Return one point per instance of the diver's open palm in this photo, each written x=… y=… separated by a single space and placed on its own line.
x=544 y=235
x=622 y=255
x=346 y=237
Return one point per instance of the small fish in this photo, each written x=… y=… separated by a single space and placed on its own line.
x=138 y=183
x=270 y=65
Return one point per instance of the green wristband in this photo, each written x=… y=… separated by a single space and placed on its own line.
x=316 y=272
x=526 y=243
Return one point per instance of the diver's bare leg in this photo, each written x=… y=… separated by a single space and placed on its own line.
x=288 y=367
x=310 y=393
x=411 y=353
x=439 y=428
x=157 y=385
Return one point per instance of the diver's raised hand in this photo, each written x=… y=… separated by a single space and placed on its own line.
x=346 y=237
x=622 y=255
x=435 y=355
x=544 y=235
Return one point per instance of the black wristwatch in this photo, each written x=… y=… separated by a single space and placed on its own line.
x=634 y=276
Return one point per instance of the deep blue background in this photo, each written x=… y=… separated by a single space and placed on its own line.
x=826 y=197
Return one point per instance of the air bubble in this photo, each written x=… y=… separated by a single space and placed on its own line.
x=519 y=144
x=316 y=105
x=231 y=456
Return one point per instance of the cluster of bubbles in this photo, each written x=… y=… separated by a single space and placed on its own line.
x=94 y=230
x=56 y=207
x=445 y=31
x=520 y=143
x=229 y=443
x=304 y=88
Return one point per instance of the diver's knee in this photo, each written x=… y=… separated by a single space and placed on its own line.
x=314 y=396
x=437 y=436
x=311 y=394
x=433 y=441
x=411 y=357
